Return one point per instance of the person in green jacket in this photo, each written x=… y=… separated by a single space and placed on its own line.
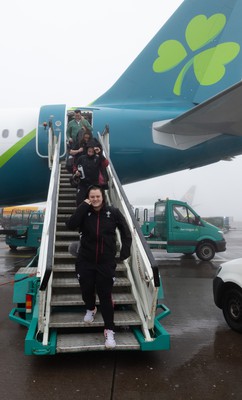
x=75 y=126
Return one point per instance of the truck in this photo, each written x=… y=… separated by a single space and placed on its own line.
x=227 y=292
x=22 y=227
x=177 y=228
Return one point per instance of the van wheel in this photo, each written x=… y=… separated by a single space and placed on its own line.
x=232 y=309
x=13 y=247
x=205 y=251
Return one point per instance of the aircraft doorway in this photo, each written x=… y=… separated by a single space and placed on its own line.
x=53 y=117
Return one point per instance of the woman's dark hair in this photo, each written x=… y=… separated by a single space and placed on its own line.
x=96 y=187
x=82 y=132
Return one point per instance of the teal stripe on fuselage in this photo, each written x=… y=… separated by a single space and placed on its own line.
x=5 y=157
x=24 y=176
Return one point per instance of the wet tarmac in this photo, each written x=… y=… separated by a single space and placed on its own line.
x=204 y=362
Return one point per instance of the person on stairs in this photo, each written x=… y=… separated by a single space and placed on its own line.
x=87 y=170
x=96 y=262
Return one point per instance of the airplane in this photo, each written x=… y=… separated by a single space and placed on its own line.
x=188 y=197
x=176 y=107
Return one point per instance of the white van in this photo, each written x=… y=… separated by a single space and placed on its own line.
x=227 y=292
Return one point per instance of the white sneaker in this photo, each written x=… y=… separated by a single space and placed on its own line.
x=110 y=341
x=90 y=314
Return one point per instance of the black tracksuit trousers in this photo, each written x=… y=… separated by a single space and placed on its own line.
x=97 y=279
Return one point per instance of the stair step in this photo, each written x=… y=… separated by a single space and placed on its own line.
x=69 y=210
x=89 y=342
x=75 y=319
x=66 y=196
x=72 y=204
x=76 y=299
x=65 y=174
x=71 y=268
x=70 y=190
x=68 y=233
x=64 y=181
x=61 y=225
x=63 y=217
x=61 y=243
x=73 y=282
x=65 y=202
x=66 y=185
x=64 y=267
x=63 y=229
x=64 y=255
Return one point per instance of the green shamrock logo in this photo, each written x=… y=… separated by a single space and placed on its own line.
x=208 y=65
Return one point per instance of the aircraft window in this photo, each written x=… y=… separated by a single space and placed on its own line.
x=5 y=133
x=20 y=132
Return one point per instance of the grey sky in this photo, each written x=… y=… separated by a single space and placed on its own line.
x=71 y=52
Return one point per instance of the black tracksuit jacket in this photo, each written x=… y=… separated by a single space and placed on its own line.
x=91 y=166
x=98 y=240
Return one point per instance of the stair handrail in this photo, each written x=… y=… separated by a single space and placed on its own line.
x=52 y=140
x=135 y=223
x=143 y=265
x=48 y=234
x=46 y=251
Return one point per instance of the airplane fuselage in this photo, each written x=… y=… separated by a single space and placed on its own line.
x=24 y=175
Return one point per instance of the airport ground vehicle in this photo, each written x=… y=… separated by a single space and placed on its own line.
x=227 y=292
x=47 y=293
x=177 y=228
x=22 y=228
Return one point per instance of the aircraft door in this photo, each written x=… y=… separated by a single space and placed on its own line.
x=51 y=116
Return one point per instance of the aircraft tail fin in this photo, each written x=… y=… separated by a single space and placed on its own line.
x=194 y=56
x=188 y=197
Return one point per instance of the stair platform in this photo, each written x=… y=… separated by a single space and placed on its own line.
x=94 y=342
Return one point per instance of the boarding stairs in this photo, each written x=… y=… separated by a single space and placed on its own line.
x=66 y=302
x=135 y=292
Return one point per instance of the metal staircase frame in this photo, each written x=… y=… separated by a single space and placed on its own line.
x=142 y=270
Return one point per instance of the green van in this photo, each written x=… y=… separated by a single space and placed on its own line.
x=177 y=228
